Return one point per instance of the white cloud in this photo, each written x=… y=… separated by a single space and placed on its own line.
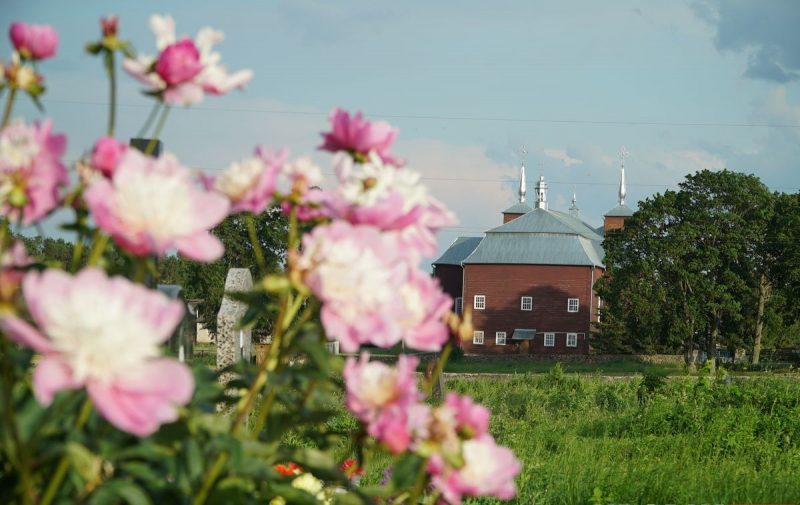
x=684 y=161
x=561 y=155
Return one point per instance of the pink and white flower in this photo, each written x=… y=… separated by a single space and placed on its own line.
x=392 y=199
x=33 y=42
x=152 y=205
x=381 y=396
x=250 y=183
x=360 y=137
x=135 y=389
x=12 y=260
x=106 y=155
x=31 y=171
x=185 y=69
x=423 y=305
x=488 y=470
x=471 y=419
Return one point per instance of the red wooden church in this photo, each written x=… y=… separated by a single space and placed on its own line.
x=529 y=281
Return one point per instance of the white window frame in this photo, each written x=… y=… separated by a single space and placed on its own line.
x=498 y=336
x=459 y=305
x=522 y=301
x=479 y=302
x=477 y=337
x=575 y=340
x=569 y=304
x=552 y=336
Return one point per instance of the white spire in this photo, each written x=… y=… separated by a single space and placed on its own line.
x=574 y=211
x=622 y=192
x=541 y=193
x=522 y=183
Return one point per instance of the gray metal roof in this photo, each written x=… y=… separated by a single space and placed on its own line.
x=537 y=248
x=521 y=334
x=518 y=208
x=620 y=211
x=458 y=250
x=600 y=231
x=547 y=221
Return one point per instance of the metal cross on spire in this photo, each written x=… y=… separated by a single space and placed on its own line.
x=623 y=153
x=522 y=183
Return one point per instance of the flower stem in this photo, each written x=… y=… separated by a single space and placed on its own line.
x=63 y=464
x=9 y=107
x=98 y=247
x=151 y=146
x=257 y=250
x=150 y=117
x=112 y=85
x=21 y=456
x=437 y=372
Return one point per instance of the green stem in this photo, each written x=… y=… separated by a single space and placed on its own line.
x=63 y=464
x=150 y=117
x=446 y=350
x=419 y=484
x=9 y=107
x=257 y=250
x=151 y=146
x=112 y=84
x=77 y=253
x=209 y=482
x=21 y=456
x=98 y=247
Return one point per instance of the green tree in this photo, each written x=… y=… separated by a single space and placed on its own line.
x=687 y=267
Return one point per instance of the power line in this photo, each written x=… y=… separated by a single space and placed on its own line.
x=460 y=118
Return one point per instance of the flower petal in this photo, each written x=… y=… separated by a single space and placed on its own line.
x=51 y=376
x=25 y=334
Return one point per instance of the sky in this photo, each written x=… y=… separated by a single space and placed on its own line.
x=683 y=85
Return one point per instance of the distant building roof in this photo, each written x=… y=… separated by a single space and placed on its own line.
x=458 y=250
x=620 y=211
x=540 y=248
x=518 y=208
x=548 y=221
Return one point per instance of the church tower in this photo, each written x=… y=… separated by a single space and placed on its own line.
x=615 y=218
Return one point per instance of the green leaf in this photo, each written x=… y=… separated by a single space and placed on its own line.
x=406 y=470
x=86 y=463
x=112 y=491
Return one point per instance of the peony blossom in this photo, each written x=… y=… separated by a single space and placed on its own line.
x=152 y=205
x=391 y=199
x=109 y=25
x=381 y=397
x=488 y=470
x=12 y=260
x=360 y=137
x=250 y=183
x=471 y=419
x=106 y=155
x=185 y=69
x=423 y=305
x=31 y=171
x=135 y=390
x=33 y=42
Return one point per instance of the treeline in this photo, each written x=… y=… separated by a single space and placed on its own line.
x=716 y=262
x=200 y=281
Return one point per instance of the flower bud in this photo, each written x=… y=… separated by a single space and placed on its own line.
x=109 y=25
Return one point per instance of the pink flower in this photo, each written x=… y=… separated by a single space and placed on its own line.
x=471 y=419
x=391 y=199
x=135 y=390
x=488 y=470
x=250 y=184
x=381 y=397
x=109 y=25
x=31 y=171
x=152 y=205
x=12 y=260
x=34 y=42
x=179 y=62
x=424 y=305
x=106 y=154
x=359 y=137
x=187 y=69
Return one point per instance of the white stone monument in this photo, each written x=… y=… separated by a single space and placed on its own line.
x=233 y=342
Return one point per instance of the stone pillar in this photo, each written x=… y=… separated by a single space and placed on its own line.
x=233 y=343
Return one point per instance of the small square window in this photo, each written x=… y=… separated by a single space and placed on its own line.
x=480 y=302
x=572 y=305
x=549 y=339
x=526 y=303
x=572 y=340
x=477 y=338
x=500 y=338
x=459 y=305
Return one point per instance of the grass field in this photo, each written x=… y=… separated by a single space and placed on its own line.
x=621 y=367
x=683 y=441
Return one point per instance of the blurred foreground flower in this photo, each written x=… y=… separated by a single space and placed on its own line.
x=360 y=137
x=152 y=205
x=184 y=69
x=33 y=42
x=31 y=171
x=250 y=183
x=82 y=323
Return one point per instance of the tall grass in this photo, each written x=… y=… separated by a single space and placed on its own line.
x=682 y=441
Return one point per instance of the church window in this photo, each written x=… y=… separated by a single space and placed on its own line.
x=477 y=338
x=459 y=305
x=572 y=340
x=572 y=305
x=480 y=302
x=526 y=303
x=549 y=339
x=500 y=338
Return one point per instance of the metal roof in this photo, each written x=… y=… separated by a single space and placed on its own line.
x=458 y=250
x=518 y=208
x=548 y=221
x=520 y=334
x=620 y=211
x=537 y=248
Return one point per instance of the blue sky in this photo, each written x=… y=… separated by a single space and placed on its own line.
x=469 y=83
